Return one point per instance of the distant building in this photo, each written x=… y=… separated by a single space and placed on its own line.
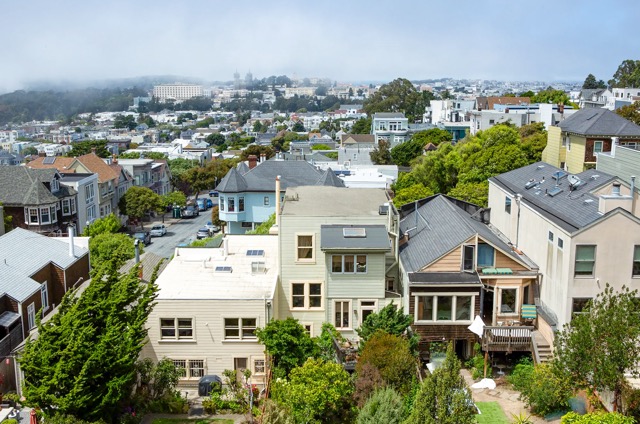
x=178 y=92
x=391 y=127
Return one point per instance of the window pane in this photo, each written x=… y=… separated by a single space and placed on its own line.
x=306 y=241
x=336 y=263
x=258 y=366
x=298 y=295
x=425 y=308
x=315 y=298
x=579 y=304
x=585 y=253
x=196 y=368
x=468 y=258
x=463 y=308
x=361 y=263
x=508 y=303
x=305 y=247
x=349 y=263
x=485 y=255
x=636 y=261
x=444 y=308
x=248 y=328
x=181 y=366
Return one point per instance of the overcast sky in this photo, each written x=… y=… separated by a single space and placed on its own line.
x=544 y=40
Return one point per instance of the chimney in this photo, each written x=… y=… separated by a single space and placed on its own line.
x=1 y=220
x=253 y=161
x=225 y=247
x=263 y=157
x=614 y=143
x=72 y=252
x=93 y=150
x=278 y=201
x=42 y=154
x=114 y=159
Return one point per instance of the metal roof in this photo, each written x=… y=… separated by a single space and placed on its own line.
x=8 y=317
x=332 y=237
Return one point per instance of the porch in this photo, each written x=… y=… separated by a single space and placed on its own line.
x=517 y=338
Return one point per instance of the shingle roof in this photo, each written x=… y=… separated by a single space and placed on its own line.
x=20 y=185
x=570 y=210
x=95 y=164
x=375 y=237
x=383 y=115
x=416 y=278
x=599 y=122
x=60 y=163
x=329 y=178
x=438 y=226
x=358 y=138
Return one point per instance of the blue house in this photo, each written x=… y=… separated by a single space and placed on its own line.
x=247 y=195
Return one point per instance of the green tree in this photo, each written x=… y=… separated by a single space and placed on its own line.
x=534 y=140
x=265 y=226
x=83 y=362
x=443 y=396
x=125 y=121
x=298 y=127
x=321 y=147
x=138 y=201
x=380 y=155
x=30 y=151
x=411 y=194
x=326 y=348
x=397 y=96
x=592 y=83
x=362 y=126
x=109 y=224
x=551 y=95
x=404 y=153
x=215 y=139
x=105 y=247
x=627 y=75
x=215 y=217
x=85 y=147
x=596 y=418
x=630 y=112
x=385 y=406
x=173 y=198
x=317 y=392
x=391 y=320
x=257 y=151
x=548 y=389
x=288 y=344
x=472 y=192
x=601 y=345
x=7 y=221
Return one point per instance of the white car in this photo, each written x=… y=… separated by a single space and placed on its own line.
x=158 y=230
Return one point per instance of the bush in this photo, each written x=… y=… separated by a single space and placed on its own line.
x=476 y=363
x=385 y=406
x=596 y=418
x=522 y=375
x=549 y=390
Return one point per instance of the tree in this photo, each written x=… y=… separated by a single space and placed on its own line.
x=443 y=396
x=7 y=221
x=317 y=392
x=288 y=344
x=125 y=121
x=600 y=417
x=599 y=346
x=591 y=83
x=215 y=139
x=85 y=147
x=321 y=147
x=298 y=127
x=30 y=151
x=109 y=224
x=362 y=126
x=265 y=226
x=627 y=75
x=83 y=362
x=391 y=320
x=138 y=201
x=257 y=151
x=411 y=194
x=380 y=155
x=404 y=153
x=397 y=96
x=550 y=95
x=215 y=217
x=630 y=112
x=385 y=406
x=105 y=247
x=174 y=198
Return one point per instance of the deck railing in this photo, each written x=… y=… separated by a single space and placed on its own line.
x=507 y=339
x=10 y=341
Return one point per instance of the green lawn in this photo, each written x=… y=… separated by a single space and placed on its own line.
x=492 y=413
x=187 y=421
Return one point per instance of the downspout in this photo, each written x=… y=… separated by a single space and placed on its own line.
x=518 y=200
x=633 y=194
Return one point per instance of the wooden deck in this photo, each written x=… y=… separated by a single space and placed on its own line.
x=507 y=339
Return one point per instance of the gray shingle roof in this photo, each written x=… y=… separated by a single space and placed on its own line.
x=567 y=209
x=438 y=226
x=20 y=185
x=599 y=122
x=415 y=278
x=332 y=238
x=263 y=177
x=329 y=178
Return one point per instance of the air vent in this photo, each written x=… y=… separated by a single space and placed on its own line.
x=257 y=267
x=554 y=191
x=588 y=201
x=530 y=183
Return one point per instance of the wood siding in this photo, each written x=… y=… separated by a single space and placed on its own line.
x=452 y=261
x=504 y=261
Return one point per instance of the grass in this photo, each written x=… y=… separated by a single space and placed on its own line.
x=492 y=413
x=188 y=421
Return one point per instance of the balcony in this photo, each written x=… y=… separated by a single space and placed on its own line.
x=10 y=331
x=507 y=339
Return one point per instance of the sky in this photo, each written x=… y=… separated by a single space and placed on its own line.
x=346 y=41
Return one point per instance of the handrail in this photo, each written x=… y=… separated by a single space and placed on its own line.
x=534 y=350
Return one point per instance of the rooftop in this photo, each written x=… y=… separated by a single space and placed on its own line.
x=599 y=122
x=361 y=237
x=333 y=201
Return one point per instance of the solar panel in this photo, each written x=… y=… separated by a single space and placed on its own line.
x=223 y=269
x=49 y=160
x=256 y=252
x=354 y=232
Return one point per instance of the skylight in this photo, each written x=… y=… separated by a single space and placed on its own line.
x=256 y=252
x=354 y=232
x=223 y=269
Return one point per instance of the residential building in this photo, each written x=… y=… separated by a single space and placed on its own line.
x=209 y=304
x=7 y=158
x=35 y=273
x=454 y=266
x=594 y=98
x=622 y=161
x=488 y=103
x=337 y=256
x=248 y=196
x=177 y=91
x=151 y=173
x=574 y=143
x=355 y=149
x=36 y=200
x=392 y=127
x=86 y=185
x=581 y=230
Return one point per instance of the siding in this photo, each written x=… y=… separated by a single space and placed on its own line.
x=452 y=261
x=551 y=153
x=504 y=261
x=370 y=284
x=575 y=156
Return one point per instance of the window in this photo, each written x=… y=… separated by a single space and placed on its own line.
x=266 y=200
x=89 y=193
x=485 y=255
x=367 y=307
x=304 y=246
x=342 y=314
x=241 y=204
x=66 y=207
x=222 y=203
x=31 y=315
x=45 y=218
x=309 y=329
x=258 y=366
x=33 y=216
x=348 y=264
x=550 y=236
x=240 y=364
x=636 y=261
x=585 y=260
x=54 y=215
x=45 y=296
x=597 y=146
x=306 y=295
x=560 y=243
x=468 y=257
x=231 y=204
x=190 y=368
x=73 y=205
x=176 y=329
x=508 y=301
x=507 y=204
x=240 y=328
x=579 y=305
x=444 y=308
x=91 y=213
x=55 y=186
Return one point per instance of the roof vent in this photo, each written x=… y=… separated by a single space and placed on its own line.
x=558 y=175
x=540 y=167
x=595 y=176
x=555 y=191
x=574 y=182
x=588 y=201
x=531 y=183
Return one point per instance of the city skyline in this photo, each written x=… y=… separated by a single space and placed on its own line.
x=79 y=42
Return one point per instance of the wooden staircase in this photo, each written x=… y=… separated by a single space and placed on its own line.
x=542 y=350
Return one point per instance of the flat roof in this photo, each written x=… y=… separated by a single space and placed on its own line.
x=333 y=201
x=209 y=274
x=361 y=237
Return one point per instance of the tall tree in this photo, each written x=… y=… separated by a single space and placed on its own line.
x=362 y=126
x=116 y=247
x=83 y=362
x=397 y=96
x=627 y=75
x=381 y=154
x=602 y=344
x=591 y=83
x=443 y=397
x=109 y=224
x=630 y=112
x=391 y=320
x=85 y=147
x=137 y=202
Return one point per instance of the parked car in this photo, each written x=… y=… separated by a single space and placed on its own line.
x=209 y=203
x=202 y=205
x=158 y=230
x=143 y=236
x=202 y=233
x=212 y=228
x=213 y=193
x=190 y=212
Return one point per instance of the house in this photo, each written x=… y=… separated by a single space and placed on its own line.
x=622 y=161
x=454 y=266
x=209 y=304
x=248 y=198
x=392 y=127
x=35 y=273
x=36 y=200
x=337 y=256
x=574 y=143
x=581 y=230
x=488 y=103
x=86 y=185
x=594 y=98
x=151 y=173
x=7 y=158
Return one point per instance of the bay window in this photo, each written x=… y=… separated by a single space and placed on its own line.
x=349 y=264
x=444 y=307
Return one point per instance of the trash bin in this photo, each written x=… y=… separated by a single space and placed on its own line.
x=208 y=384
x=176 y=212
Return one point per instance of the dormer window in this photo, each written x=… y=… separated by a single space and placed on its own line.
x=55 y=185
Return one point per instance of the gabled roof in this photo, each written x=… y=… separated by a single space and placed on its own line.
x=599 y=122
x=570 y=210
x=97 y=165
x=438 y=225
x=60 y=163
x=20 y=185
x=358 y=138
x=329 y=178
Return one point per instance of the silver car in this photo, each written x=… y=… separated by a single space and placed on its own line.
x=158 y=230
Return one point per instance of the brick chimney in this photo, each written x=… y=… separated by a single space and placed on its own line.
x=42 y=154
x=253 y=161
x=93 y=150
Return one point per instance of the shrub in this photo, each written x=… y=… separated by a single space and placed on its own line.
x=385 y=406
x=522 y=375
x=367 y=382
x=632 y=401
x=476 y=363
x=548 y=391
x=596 y=418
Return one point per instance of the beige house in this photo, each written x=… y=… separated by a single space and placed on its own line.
x=209 y=305
x=337 y=260
x=579 y=229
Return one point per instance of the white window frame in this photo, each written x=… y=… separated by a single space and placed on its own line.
x=222 y=202
x=454 y=306
x=66 y=205
x=312 y=259
x=307 y=296
x=596 y=143
x=45 y=210
x=73 y=205
x=241 y=204
x=240 y=327
x=518 y=303
x=55 y=185
x=176 y=329
x=575 y=261
x=371 y=308
x=343 y=312
x=473 y=260
x=254 y=366
x=355 y=264
x=44 y=294
x=308 y=327
x=53 y=214
x=30 y=214
x=89 y=193
x=187 y=366
x=31 y=315
x=231 y=205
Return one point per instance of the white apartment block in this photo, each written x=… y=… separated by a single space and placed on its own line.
x=177 y=91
